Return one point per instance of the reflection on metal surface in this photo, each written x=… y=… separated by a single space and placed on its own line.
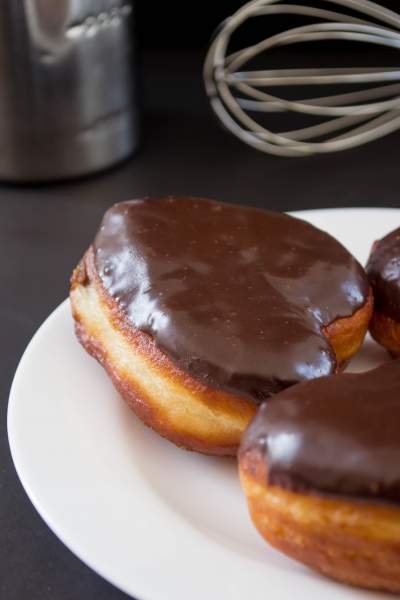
x=68 y=101
x=95 y=23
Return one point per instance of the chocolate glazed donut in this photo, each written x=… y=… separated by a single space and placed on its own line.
x=320 y=466
x=383 y=271
x=199 y=310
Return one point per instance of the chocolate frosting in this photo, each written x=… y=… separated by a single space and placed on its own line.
x=338 y=435
x=235 y=296
x=383 y=271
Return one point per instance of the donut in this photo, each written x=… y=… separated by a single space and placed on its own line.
x=320 y=467
x=383 y=270
x=200 y=310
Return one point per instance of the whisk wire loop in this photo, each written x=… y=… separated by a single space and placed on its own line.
x=354 y=117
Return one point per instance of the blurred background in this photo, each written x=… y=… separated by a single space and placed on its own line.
x=182 y=149
x=177 y=26
x=177 y=115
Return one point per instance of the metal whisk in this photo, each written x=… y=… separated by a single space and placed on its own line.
x=354 y=118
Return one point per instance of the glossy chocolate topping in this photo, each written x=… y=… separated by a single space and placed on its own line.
x=235 y=296
x=383 y=271
x=337 y=435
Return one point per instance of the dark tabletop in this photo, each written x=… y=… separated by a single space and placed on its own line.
x=45 y=229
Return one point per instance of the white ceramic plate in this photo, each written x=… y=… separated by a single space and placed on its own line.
x=158 y=522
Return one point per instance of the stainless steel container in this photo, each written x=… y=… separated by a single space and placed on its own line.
x=67 y=87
